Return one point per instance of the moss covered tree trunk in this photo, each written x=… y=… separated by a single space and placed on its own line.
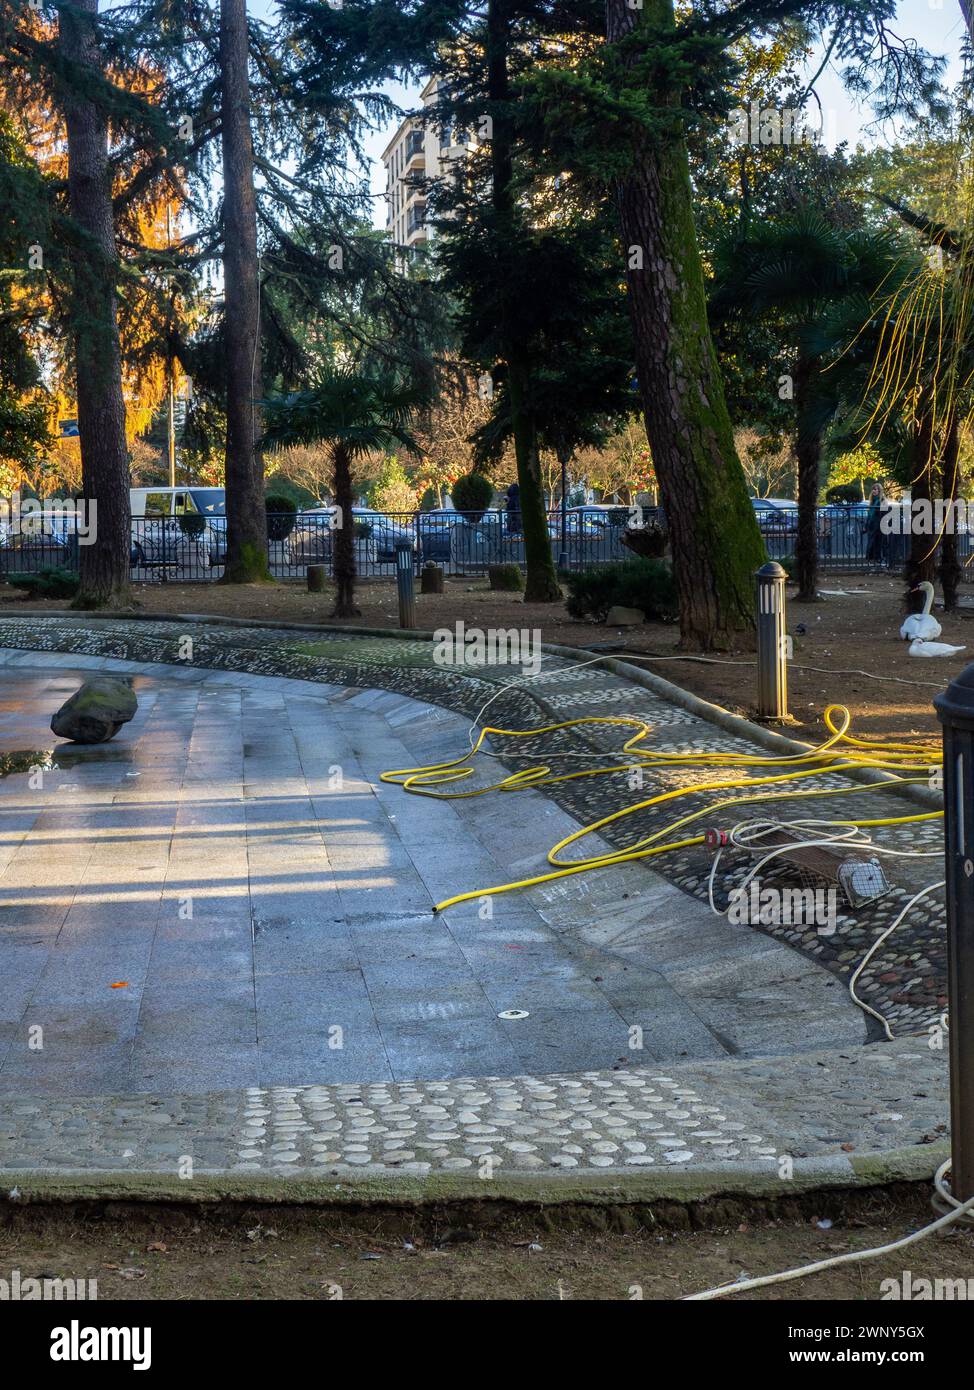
x=808 y=450
x=715 y=539
x=343 y=563
x=104 y=566
x=246 y=525
x=541 y=582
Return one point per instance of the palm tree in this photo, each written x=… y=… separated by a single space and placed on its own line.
x=355 y=413
x=921 y=379
x=793 y=272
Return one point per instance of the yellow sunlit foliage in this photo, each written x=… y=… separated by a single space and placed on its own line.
x=147 y=222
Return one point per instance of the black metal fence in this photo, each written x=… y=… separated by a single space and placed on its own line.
x=844 y=542
x=193 y=548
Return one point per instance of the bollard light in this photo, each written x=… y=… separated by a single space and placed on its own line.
x=404 y=582
x=955 y=710
x=772 y=642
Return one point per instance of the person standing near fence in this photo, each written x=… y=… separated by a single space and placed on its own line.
x=514 y=510
x=875 y=539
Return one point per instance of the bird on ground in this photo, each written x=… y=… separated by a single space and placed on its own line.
x=922 y=625
x=918 y=647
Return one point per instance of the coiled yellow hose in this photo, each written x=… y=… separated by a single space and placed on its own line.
x=838 y=753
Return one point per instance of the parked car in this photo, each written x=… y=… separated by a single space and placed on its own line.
x=51 y=547
x=777 y=516
x=599 y=516
x=163 y=543
x=311 y=538
x=436 y=530
x=385 y=531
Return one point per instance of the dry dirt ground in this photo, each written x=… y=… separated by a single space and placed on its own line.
x=846 y=633
x=304 y=1253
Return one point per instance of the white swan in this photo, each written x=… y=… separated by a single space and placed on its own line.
x=922 y=625
x=918 y=647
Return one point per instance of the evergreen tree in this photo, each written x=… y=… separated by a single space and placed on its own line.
x=500 y=251
x=354 y=412
x=621 y=118
x=25 y=210
x=244 y=470
x=75 y=71
x=307 y=281
x=793 y=271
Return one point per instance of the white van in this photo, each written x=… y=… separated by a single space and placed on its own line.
x=158 y=538
x=175 y=501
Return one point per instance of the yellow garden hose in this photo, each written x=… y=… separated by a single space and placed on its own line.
x=838 y=753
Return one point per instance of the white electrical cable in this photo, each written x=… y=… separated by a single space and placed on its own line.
x=875 y=947
x=853 y=1256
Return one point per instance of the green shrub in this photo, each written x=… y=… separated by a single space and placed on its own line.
x=644 y=584
x=473 y=493
x=47 y=583
x=192 y=523
x=648 y=585
x=844 y=495
x=281 y=513
x=507 y=578
x=591 y=592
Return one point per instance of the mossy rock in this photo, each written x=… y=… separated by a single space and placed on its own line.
x=96 y=712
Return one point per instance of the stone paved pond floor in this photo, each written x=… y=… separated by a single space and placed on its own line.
x=216 y=939
x=227 y=895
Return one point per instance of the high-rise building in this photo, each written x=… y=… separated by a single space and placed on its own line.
x=418 y=152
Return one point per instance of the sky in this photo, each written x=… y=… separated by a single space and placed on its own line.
x=937 y=27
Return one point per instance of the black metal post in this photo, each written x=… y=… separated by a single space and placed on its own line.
x=955 y=710
x=404 y=582
x=772 y=642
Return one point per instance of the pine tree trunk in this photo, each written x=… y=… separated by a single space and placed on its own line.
x=950 y=570
x=715 y=539
x=104 y=566
x=541 y=581
x=343 y=565
x=808 y=449
x=246 y=523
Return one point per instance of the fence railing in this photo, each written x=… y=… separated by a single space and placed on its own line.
x=193 y=549
x=845 y=543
